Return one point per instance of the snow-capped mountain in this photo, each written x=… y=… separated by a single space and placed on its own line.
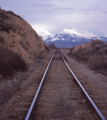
x=66 y=40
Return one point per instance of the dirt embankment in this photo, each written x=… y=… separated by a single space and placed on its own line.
x=18 y=36
x=19 y=43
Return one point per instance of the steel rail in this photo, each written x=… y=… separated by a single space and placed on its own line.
x=85 y=92
x=38 y=90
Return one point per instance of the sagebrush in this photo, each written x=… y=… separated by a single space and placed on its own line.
x=93 y=53
x=10 y=62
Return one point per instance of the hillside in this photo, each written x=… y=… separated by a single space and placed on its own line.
x=18 y=36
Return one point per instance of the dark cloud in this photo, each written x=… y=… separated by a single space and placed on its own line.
x=60 y=14
x=86 y=13
x=105 y=12
x=57 y=7
x=62 y=8
x=43 y=5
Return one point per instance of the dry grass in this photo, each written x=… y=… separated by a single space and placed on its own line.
x=10 y=62
x=94 y=54
x=1 y=40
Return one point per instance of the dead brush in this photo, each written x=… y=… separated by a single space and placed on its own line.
x=5 y=68
x=10 y=62
x=98 y=62
x=17 y=63
x=94 y=54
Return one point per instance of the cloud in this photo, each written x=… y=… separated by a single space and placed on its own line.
x=105 y=33
x=89 y=26
x=43 y=5
x=59 y=14
x=82 y=33
x=71 y=31
x=87 y=34
x=65 y=8
x=86 y=13
x=42 y=31
x=47 y=5
x=105 y=12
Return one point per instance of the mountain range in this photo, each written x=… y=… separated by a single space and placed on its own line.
x=66 y=40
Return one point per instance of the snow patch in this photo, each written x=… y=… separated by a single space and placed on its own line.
x=74 y=40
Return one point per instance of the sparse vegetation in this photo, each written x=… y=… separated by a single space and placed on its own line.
x=11 y=12
x=93 y=53
x=6 y=27
x=10 y=62
x=3 y=15
x=52 y=46
x=1 y=40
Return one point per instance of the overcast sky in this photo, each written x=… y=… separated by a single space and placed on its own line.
x=85 y=17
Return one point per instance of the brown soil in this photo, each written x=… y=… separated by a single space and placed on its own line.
x=60 y=94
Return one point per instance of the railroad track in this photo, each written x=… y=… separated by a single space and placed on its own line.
x=59 y=96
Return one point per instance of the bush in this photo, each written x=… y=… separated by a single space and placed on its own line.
x=5 y=68
x=52 y=46
x=95 y=42
x=1 y=40
x=71 y=49
x=3 y=15
x=10 y=62
x=11 y=12
x=17 y=63
x=94 y=54
x=98 y=62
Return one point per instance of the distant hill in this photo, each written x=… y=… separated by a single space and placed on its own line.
x=18 y=36
x=66 y=40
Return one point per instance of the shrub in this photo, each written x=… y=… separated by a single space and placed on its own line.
x=11 y=12
x=10 y=62
x=1 y=40
x=98 y=62
x=5 y=68
x=71 y=49
x=95 y=42
x=52 y=46
x=3 y=15
x=94 y=54
x=17 y=63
